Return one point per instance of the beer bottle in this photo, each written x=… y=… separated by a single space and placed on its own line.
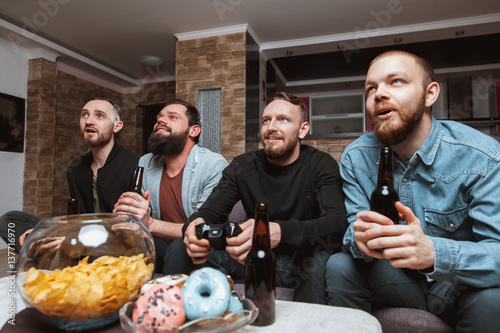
x=136 y=185
x=73 y=207
x=260 y=270
x=384 y=196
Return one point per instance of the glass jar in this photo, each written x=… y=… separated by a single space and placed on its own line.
x=77 y=271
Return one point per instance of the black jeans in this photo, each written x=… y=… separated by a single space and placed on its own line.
x=306 y=277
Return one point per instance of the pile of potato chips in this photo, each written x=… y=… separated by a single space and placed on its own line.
x=87 y=291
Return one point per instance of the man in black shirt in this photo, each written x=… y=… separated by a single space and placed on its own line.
x=303 y=190
x=96 y=179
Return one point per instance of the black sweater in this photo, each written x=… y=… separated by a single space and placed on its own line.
x=112 y=179
x=304 y=197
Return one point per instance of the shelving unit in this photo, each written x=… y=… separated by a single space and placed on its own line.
x=337 y=115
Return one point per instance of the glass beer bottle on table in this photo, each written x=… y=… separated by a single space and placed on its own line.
x=260 y=270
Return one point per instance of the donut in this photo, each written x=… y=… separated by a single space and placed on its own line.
x=234 y=304
x=169 y=280
x=160 y=306
x=205 y=294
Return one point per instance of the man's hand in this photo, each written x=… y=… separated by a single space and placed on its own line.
x=239 y=246
x=405 y=246
x=22 y=238
x=197 y=249
x=135 y=204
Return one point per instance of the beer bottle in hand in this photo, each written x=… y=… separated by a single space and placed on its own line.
x=136 y=185
x=73 y=207
x=384 y=196
x=260 y=270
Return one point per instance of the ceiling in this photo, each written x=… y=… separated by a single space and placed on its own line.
x=107 y=39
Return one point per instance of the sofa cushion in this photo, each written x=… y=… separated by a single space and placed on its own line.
x=400 y=320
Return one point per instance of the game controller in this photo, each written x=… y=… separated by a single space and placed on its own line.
x=217 y=233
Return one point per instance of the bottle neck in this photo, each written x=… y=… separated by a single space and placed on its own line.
x=73 y=207
x=136 y=185
x=261 y=238
x=385 y=172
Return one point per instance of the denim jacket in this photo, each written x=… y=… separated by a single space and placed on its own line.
x=452 y=184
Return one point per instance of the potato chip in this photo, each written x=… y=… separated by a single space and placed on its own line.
x=87 y=290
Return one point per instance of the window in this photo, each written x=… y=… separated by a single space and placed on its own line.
x=209 y=105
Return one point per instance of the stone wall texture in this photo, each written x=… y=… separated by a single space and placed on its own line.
x=332 y=146
x=216 y=62
x=38 y=188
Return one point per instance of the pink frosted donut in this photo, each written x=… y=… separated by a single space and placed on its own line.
x=160 y=306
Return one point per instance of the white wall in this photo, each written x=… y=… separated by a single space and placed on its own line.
x=13 y=81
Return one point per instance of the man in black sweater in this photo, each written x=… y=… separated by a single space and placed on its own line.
x=303 y=190
x=96 y=179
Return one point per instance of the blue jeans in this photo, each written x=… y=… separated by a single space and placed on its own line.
x=376 y=284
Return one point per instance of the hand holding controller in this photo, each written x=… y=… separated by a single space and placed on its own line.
x=217 y=233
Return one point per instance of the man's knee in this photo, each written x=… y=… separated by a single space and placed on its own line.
x=482 y=301
x=340 y=265
x=479 y=310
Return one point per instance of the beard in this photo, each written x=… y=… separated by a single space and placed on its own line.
x=395 y=130
x=101 y=139
x=172 y=144
x=274 y=151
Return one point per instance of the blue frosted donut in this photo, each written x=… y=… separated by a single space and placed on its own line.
x=234 y=304
x=205 y=294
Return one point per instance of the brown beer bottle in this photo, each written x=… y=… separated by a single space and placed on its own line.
x=384 y=196
x=260 y=274
x=136 y=185
x=73 y=207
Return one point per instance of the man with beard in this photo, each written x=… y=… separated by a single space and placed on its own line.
x=178 y=176
x=302 y=188
x=444 y=255
x=96 y=179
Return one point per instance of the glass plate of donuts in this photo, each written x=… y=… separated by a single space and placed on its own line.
x=228 y=322
x=159 y=304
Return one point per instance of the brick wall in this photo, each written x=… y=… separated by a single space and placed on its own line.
x=332 y=146
x=156 y=92
x=214 y=62
x=38 y=185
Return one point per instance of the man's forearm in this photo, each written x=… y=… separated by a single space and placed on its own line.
x=165 y=230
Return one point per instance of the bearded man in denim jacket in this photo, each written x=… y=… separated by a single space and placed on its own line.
x=444 y=256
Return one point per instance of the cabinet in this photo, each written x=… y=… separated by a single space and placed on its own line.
x=337 y=115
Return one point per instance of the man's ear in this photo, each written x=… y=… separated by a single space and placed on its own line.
x=118 y=126
x=194 y=131
x=304 y=129
x=431 y=93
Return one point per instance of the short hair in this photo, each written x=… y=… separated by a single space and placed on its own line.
x=428 y=74
x=295 y=101
x=192 y=114
x=116 y=108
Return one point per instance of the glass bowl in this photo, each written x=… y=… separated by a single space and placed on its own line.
x=229 y=322
x=77 y=271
